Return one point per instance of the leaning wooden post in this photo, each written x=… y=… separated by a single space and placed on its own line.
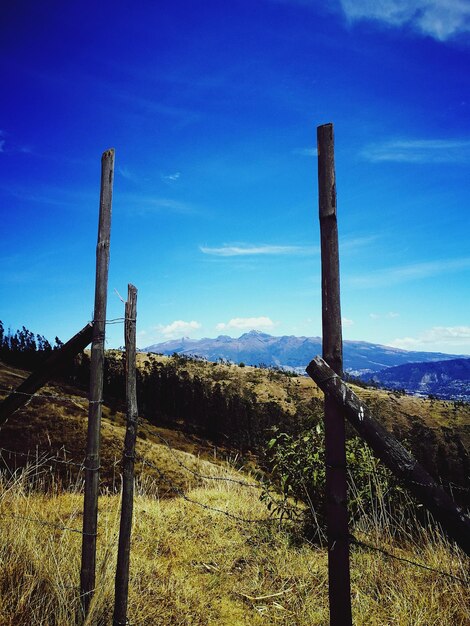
x=335 y=450
x=58 y=359
x=454 y=521
x=92 y=466
x=121 y=586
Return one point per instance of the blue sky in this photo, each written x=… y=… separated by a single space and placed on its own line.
x=212 y=108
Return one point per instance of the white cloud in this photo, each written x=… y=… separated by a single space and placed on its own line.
x=405 y=273
x=250 y=250
x=171 y=177
x=310 y=152
x=419 y=151
x=146 y=205
x=441 y=338
x=346 y=322
x=389 y=315
x=441 y=19
x=348 y=244
x=178 y=328
x=127 y=174
x=247 y=323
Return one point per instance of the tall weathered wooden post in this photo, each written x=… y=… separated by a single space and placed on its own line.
x=92 y=466
x=335 y=451
x=121 y=587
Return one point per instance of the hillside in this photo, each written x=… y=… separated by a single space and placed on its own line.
x=443 y=379
x=53 y=426
x=254 y=348
x=204 y=549
x=213 y=405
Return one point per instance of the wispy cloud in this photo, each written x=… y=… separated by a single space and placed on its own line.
x=171 y=178
x=247 y=249
x=227 y=250
x=247 y=323
x=390 y=315
x=143 y=205
x=178 y=328
x=405 y=273
x=352 y=243
x=443 y=338
x=126 y=173
x=347 y=323
x=419 y=151
x=309 y=152
x=440 y=19
x=11 y=147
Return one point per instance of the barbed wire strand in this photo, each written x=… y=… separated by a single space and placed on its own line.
x=227 y=479
x=51 y=396
x=46 y=523
x=181 y=493
x=369 y=546
x=42 y=458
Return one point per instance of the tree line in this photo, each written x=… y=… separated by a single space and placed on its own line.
x=23 y=348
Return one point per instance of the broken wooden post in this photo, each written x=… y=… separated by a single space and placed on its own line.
x=121 y=587
x=405 y=467
x=332 y=345
x=59 y=358
x=92 y=464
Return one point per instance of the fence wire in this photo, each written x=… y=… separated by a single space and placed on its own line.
x=55 y=525
x=389 y=555
x=227 y=479
x=41 y=457
x=207 y=507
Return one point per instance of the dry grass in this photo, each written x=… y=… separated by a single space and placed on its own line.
x=194 y=566
x=191 y=565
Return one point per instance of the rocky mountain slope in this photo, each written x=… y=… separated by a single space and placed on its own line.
x=443 y=379
x=254 y=348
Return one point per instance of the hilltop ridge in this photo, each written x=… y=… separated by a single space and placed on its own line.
x=292 y=352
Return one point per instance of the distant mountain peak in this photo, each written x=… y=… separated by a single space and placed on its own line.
x=255 y=347
x=254 y=333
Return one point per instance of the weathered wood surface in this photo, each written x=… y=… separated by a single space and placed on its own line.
x=332 y=346
x=57 y=360
x=90 y=511
x=451 y=517
x=121 y=587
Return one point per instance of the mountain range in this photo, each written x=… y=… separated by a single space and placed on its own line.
x=443 y=379
x=295 y=353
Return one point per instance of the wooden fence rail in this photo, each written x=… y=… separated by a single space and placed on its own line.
x=451 y=517
x=58 y=359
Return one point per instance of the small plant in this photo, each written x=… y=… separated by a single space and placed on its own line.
x=297 y=469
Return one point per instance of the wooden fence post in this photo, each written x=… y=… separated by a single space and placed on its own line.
x=332 y=344
x=90 y=509
x=22 y=394
x=121 y=587
x=452 y=518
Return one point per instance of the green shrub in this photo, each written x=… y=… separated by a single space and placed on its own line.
x=296 y=464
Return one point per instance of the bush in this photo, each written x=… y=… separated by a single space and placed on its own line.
x=297 y=471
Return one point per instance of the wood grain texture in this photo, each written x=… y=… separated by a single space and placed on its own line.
x=121 y=586
x=90 y=510
x=332 y=346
